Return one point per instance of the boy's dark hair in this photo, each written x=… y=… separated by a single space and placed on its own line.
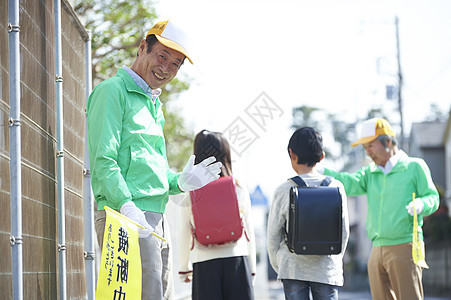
x=307 y=144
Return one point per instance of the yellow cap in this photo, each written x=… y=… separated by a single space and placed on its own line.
x=170 y=36
x=373 y=128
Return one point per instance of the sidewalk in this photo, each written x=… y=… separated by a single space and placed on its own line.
x=275 y=292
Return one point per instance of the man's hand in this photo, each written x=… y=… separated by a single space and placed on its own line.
x=196 y=176
x=419 y=206
x=130 y=210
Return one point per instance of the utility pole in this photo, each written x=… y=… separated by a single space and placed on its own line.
x=400 y=82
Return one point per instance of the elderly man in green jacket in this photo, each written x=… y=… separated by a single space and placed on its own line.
x=127 y=152
x=389 y=183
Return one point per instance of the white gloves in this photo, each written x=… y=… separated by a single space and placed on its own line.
x=196 y=176
x=419 y=206
x=132 y=212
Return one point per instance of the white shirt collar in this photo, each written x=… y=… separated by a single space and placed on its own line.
x=392 y=162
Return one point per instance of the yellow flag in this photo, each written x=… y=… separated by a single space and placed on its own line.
x=417 y=246
x=120 y=274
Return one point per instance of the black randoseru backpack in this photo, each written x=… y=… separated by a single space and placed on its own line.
x=315 y=218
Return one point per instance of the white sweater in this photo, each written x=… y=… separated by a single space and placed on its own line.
x=200 y=253
x=326 y=269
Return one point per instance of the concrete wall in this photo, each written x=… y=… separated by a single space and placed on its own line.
x=38 y=127
x=447 y=140
x=435 y=158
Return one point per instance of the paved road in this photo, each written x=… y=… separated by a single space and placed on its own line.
x=275 y=292
x=342 y=295
x=278 y=295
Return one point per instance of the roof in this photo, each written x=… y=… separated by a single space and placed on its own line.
x=429 y=134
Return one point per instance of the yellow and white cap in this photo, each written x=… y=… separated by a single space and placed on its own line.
x=170 y=36
x=373 y=128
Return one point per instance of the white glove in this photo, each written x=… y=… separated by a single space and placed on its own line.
x=419 y=206
x=130 y=210
x=196 y=176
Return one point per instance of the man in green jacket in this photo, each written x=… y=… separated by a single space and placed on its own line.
x=127 y=152
x=389 y=183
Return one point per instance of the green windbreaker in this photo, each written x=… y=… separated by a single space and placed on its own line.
x=127 y=151
x=388 y=222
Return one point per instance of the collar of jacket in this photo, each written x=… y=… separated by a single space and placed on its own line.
x=400 y=166
x=132 y=86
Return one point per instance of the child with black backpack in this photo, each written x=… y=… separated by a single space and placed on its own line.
x=214 y=227
x=319 y=274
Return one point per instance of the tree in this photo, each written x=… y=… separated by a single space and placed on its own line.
x=338 y=134
x=179 y=138
x=436 y=114
x=117 y=29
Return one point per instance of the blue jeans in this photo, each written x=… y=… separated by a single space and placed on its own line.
x=300 y=290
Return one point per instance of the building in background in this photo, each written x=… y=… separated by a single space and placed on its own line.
x=427 y=141
x=447 y=143
x=430 y=141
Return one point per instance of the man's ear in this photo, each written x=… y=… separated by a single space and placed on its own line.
x=389 y=143
x=142 y=46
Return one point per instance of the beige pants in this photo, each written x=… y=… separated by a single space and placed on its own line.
x=393 y=274
x=156 y=256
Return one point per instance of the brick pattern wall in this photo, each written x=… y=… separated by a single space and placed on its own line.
x=38 y=128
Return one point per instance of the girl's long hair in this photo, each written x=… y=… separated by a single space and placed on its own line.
x=210 y=143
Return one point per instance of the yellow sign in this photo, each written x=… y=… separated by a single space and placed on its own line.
x=120 y=274
x=417 y=245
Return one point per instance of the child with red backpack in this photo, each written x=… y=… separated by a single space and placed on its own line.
x=221 y=243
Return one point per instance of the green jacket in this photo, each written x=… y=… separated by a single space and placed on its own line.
x=127 y=151
x=388 y=222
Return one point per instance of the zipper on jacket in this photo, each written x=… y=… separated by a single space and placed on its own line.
x=381 y=205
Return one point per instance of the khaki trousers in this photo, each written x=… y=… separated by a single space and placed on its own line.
x=156 y=256
x=393 y=274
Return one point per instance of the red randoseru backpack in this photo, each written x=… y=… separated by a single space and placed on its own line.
x=216 y=214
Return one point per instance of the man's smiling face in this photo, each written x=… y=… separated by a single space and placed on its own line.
x=159 y=66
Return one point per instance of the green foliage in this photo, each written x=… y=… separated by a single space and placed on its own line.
x=436 y=114
x=342 y=132
x=179 y=139
x=117 y=29
x=376 y=113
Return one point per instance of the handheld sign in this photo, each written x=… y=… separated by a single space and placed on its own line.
x=417 y=249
